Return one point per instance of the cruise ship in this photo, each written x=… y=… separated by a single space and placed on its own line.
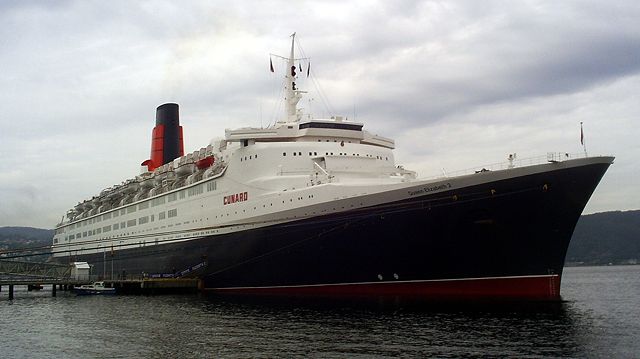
x=319 y=207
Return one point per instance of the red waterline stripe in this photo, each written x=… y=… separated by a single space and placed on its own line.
x=526 y=287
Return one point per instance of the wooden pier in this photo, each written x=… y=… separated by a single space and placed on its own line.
x=126 y=286
x=33 y=275
x=34 y=284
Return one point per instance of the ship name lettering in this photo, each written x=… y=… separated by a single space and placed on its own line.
x=236 y=197
x=430 y=189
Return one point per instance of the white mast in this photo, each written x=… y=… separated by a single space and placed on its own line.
x=293 y=95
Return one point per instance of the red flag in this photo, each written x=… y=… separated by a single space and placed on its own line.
x=271 y=65
x=581 y=135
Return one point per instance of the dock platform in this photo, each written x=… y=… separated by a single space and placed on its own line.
x=154 y=286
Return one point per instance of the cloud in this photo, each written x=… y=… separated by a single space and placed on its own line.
x=456 y=83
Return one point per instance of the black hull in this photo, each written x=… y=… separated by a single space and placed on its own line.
x=508 y=229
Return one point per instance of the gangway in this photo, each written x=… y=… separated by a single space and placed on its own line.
x=14 y=272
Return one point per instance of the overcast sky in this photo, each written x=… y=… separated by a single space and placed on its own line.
x=457 y=84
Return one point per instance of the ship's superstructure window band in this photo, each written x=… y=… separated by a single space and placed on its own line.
x=336 y=126
x=211 y=186
x=157 y=201
x=193 y=191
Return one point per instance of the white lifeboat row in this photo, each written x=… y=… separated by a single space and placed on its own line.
x=182 y=171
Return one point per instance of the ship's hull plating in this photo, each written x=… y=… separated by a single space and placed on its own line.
x=502 y=239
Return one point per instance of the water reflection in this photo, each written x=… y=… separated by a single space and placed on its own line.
x=390 y=328
x=187 y=326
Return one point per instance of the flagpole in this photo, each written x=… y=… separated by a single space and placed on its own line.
x=584 y=145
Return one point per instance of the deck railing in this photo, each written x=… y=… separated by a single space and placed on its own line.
x=512 y=162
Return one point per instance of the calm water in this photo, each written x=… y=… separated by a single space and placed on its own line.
x=599 y=318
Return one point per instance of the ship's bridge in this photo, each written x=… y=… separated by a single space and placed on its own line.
x=320 y=130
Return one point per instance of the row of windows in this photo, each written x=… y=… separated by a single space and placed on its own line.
x=129 y=223
x=193 y=191
x=336 y=126
x=248 y=158
x=162 y=216
x=211 y=186
x=157 y=201
x=284 y=154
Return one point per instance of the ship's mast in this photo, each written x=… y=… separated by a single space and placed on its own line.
x=293 y=94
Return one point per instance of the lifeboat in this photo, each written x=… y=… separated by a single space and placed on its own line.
x=146 y=181
x=185 y=166
x=71 y=213
x=205 y=162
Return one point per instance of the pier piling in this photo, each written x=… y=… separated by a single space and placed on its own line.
x=10 y=291
x=53 y=290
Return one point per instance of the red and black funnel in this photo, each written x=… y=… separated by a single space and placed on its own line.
x=166 y=138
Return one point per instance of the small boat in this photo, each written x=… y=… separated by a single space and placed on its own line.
x=94 y=288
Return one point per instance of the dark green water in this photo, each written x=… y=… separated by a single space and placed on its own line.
x=599 y=318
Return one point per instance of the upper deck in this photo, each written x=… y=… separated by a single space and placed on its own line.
x=322 y=130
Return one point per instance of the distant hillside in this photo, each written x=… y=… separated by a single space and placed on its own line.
x=607 y=237
x=27 y=233
x=25 y=237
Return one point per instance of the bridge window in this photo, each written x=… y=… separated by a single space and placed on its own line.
x=337 y=126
